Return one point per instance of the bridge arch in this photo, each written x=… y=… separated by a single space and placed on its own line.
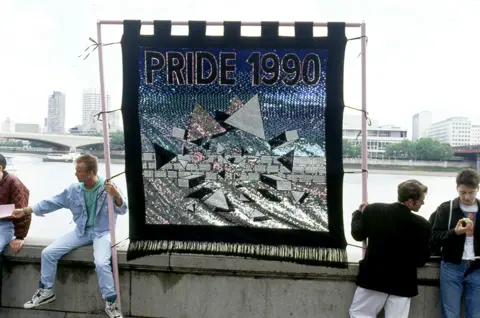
x=61 y=141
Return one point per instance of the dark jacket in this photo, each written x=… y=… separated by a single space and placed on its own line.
x=398 y=243
x=13 y=191
x=435 y=248
x=444 y=233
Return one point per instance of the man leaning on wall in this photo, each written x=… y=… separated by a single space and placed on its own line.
x=398 y=243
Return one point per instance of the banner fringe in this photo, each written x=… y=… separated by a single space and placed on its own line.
x=319 y=256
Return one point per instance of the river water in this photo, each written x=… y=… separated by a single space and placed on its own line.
x=45 y=179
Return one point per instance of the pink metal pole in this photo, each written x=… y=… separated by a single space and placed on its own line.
x=106 y=146
x=364 y=121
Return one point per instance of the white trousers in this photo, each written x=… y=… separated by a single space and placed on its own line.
x=368 y=303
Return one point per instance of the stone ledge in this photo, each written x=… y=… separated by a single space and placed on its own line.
x=209 y=264
x=35 y=313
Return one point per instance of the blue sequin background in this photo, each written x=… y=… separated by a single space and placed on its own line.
x=241 y=170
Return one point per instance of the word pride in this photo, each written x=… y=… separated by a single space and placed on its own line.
x=204 y=68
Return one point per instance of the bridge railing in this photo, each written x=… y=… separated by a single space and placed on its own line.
x=469 y=147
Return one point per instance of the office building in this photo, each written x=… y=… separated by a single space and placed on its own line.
x=455 y=131
x=56 y=113
x=28 y=128
x=475 y=135
x=378 y=136
x=92 y=105
x=420 y=123
x=7 y=126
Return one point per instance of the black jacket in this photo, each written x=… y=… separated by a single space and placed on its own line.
x=398 y=243
x=444 y=233
x=435 y=248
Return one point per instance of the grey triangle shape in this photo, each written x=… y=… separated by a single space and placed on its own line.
x=202 y=125
x=258 y=216
x=244 y=198
x=191 y=207
x=217 y=200
x=248 y=118
x=220 y=148
x=240 y=161
x=297 y=195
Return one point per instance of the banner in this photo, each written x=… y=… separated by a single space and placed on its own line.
x=234 y=143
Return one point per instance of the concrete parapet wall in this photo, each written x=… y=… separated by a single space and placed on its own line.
x=409 y=163
x=195 y=286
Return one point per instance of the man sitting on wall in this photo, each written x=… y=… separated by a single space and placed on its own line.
x=398 y=243
x=87 y=200
x=12 y=191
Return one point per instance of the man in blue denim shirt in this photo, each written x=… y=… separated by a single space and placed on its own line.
x=87 y=200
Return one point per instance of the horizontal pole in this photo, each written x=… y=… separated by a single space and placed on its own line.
x=220 y=23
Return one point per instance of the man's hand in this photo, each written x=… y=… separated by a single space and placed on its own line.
x=362 y=206
x=18 y=213
x=110 y=188
x=460 y=229
x=16 y=245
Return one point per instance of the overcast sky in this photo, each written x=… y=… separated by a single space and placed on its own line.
x=421 y=55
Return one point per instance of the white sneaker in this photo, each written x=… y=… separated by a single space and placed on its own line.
x=112 y=310
x=41 y=297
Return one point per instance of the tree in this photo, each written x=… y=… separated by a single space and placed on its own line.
x=404 y=149
x=429 y=149
x=117 y=140
x=351 y=150
x=11 y=143
x=423 y=149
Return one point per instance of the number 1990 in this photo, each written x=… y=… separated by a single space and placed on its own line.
x=269 y=69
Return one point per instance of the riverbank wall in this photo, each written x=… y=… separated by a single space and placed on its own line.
x=195 y=286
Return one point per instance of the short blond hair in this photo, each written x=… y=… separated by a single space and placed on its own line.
x=90 y=162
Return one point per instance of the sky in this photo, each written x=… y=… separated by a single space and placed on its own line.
x=421 y=55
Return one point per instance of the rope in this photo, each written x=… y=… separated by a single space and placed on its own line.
x=358 y=38
x=115 y=245
x=367 y=116
x=95 y=46
x=97 y=115
x=362 y=171
x=354 y=245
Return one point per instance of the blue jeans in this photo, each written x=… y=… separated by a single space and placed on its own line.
x=452 y=284
x=102 y=253
x=6 y=233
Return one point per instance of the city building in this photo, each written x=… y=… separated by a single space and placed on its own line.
x=475 y=136
x=28 y=128
x=420 y=123
x=56 y=113
x=455 y=131
x=378 y=136
x=91 y=107
x=7 y=126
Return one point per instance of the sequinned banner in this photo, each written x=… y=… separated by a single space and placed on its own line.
x=234 y=144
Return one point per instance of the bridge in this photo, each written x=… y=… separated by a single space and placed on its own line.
x=59 y=141
x=470 y=150
x=470 y=153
